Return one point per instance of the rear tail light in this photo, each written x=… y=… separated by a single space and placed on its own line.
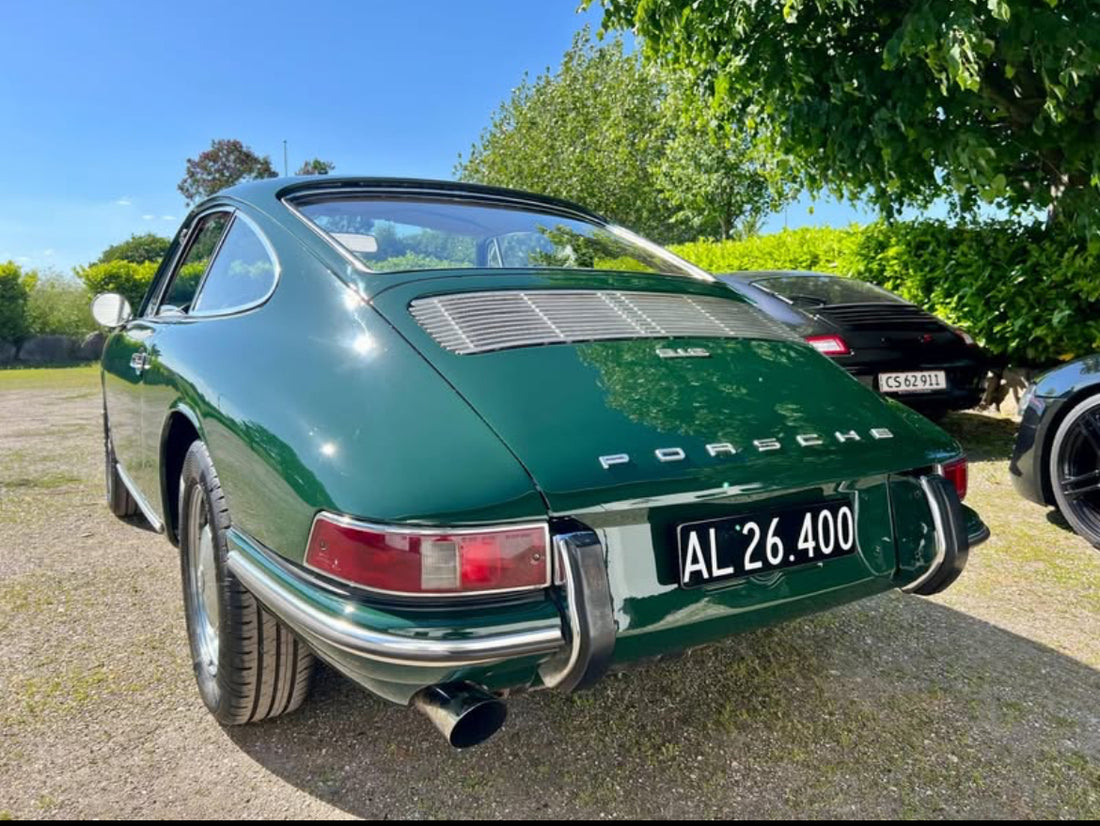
x=427 y=562
x=957 y=474
x=968 y=340
x=829 y=345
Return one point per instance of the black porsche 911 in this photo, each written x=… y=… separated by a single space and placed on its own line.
x=884 y=341
x=1057 y=457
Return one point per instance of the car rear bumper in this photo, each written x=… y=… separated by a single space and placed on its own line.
x=964 y=383
x=573 y=636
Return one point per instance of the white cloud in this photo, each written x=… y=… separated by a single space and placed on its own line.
x=168 y=217
x=47 y=253
x=23 y=258
x=148 y=217
x=123 y=201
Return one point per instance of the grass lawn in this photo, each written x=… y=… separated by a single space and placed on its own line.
x=83 y=376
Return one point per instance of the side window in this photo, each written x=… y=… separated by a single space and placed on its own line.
x=243 y=272
x=185 y=283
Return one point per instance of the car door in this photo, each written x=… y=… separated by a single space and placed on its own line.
x=153 y=385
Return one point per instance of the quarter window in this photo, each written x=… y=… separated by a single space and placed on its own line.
x=242 y=274
x=185 y=283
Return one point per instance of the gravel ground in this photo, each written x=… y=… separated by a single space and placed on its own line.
x=979 y=703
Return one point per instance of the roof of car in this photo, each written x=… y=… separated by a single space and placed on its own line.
x=278 y=188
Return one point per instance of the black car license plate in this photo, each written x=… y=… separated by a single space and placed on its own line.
x=722 y=549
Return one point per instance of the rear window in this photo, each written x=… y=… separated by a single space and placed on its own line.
x=390 y=234
x=819 y=290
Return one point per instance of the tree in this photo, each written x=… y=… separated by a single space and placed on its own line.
x=15 y=287
x=711 y=174
x=591 y=132
x=904 y=101
x=225 y=163
x=316 y=167
x=137 y=249
x=617 y=136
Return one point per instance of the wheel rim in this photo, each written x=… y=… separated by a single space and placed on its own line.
x=1079 y=470
x=203 y=576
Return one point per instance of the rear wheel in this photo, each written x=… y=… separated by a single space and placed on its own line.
x=1075 y=468
x=248 y=665
x=119 y=500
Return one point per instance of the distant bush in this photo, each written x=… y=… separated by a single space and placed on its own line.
x=1030 y=295
x=58 y=305
x=137 y=249
x=15 y=285
x=119 y=276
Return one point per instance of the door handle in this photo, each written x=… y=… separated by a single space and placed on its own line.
x=140 y=362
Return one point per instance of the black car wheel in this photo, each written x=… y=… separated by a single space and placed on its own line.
x=1075 y=468
x=248 y=665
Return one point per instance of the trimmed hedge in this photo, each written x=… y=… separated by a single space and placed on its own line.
x=1030 y=295
x=119 y=276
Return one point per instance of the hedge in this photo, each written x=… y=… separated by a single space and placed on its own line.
x=119 y=276
x=1030 y=295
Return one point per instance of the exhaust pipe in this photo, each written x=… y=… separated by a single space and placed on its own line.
x=465 y=714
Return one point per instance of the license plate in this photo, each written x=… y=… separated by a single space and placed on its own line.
x=915 y=382
x=722 y=549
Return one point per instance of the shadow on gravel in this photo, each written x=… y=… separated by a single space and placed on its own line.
x=895 y=707
x=986 y=438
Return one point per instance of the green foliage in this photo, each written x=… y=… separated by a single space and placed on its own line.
x=15 y=286
x=316 y=167
x=907 y=101
x=138 y=249
x=225 y=163
x=823 y=250
x=58 y=305
x=711 y=175
x=604 y=130
x=1029 y=295
x=125 y=277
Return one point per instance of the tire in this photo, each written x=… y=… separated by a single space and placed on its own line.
x=248 y=665
x=1074 y=468
x=119 y=500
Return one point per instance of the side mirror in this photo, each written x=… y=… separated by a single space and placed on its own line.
x=111 y=310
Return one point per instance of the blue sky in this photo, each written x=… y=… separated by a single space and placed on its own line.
x=104 y=102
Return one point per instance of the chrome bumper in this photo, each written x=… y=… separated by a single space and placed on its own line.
x=954 y=537
x=332 y=629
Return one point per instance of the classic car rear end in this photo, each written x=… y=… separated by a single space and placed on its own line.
x=529 y=450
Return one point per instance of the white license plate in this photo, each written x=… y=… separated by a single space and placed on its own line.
x=915 y=382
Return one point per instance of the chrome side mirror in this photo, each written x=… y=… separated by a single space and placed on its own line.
x=111 y=310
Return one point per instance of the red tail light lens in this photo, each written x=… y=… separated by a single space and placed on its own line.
x=968 y=340
x=957 y=474
x=403 y=561
x=829 y=345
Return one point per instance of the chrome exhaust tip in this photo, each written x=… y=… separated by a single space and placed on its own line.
x=467 y=715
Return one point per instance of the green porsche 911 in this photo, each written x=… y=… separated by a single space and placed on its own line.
x=460 y=441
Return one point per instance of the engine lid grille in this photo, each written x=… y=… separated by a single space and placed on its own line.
x=875 y=316
x=480 y=322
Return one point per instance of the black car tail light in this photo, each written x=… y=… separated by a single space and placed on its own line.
x=829 y=345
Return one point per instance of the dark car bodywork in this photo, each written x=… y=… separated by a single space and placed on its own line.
x=883 y=333
x=332 y=396
x=1042 y=409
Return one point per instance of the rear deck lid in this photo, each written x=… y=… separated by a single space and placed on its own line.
x=650 y=387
